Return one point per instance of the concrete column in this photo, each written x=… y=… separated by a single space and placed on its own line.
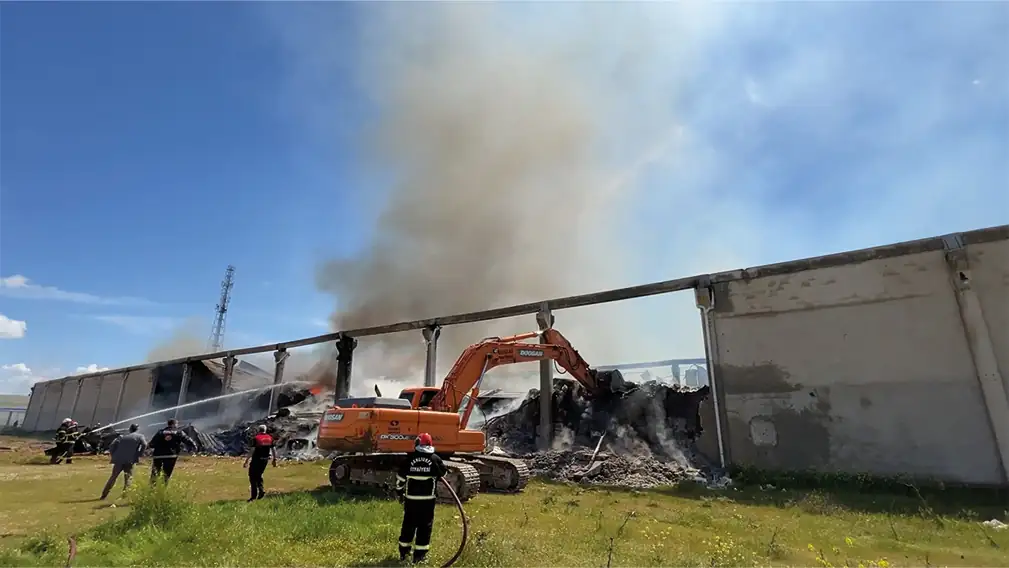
x=183 y=388
x=982 y=351
x=280 y=358
x=431 y=335
x=704 y=299
x=119 y=397
x=344 y=364
x=42 y=405
x=545 y=320
x=77 y=397
x=229 y=371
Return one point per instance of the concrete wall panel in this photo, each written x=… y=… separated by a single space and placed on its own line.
x=87 y=400
x=34 y=406
x=48 y=419
x=989 y=266
x=859 y=368
x=105 y=409
x=137 y=396
x=66 y=406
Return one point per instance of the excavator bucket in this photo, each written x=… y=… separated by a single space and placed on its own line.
x=610 y=382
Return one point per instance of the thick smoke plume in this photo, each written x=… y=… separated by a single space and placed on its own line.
x=185 y=340
x=498 y=196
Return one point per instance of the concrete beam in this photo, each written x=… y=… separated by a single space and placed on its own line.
x=545 y=320
x=279 y=358
x=981 y=348
x=431 y=335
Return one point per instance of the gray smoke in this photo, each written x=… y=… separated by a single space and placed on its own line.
x=185 y=340
x=499 y=196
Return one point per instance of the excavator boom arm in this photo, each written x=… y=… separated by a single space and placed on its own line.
x=479 y=358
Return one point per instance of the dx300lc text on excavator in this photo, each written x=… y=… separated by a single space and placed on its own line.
x=374 y=433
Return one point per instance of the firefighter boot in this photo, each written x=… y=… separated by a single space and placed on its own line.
x=418 y=556
x=404 y=552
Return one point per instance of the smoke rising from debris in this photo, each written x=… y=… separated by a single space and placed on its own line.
x=187 y=339
x=499 y=196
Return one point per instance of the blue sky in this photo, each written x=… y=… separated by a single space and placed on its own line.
x=146 y=146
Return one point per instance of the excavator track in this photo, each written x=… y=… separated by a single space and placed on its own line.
x=498 y=474
x=378 y=472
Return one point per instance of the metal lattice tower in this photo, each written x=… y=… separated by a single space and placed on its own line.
x=215 y=343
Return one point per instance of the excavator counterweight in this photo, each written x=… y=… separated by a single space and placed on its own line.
x=374 y=433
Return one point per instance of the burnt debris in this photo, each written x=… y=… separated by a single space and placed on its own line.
x=664 y=417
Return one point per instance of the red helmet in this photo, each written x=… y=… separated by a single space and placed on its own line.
x=424 y=442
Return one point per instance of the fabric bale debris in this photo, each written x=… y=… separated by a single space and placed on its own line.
x=294 y=437
x=661 y=416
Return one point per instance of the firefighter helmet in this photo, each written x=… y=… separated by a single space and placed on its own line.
x=424 y=443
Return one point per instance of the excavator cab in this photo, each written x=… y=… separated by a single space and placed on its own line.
x=419 y=397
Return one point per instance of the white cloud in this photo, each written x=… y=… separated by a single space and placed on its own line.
x=18 y=286
x=142 y=325
x=12 y=328
x=18 y=378
x=92 y=368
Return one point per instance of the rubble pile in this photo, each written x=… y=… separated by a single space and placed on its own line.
x=294 y=436
x=643 y=434
x=662 y=417
x=636 y=471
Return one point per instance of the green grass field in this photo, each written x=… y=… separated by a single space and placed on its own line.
x=204 y=521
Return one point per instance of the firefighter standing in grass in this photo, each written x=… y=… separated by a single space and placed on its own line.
x=416 y=485
x=261 y=450
x=165 y=446
x=66 y=438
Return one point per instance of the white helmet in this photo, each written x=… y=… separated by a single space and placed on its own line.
x=67 y=421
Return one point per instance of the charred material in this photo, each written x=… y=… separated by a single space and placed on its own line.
x=294 y=436
x=663 y=417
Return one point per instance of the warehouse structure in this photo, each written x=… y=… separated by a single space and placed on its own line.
x=116 y=395
x=881 y=361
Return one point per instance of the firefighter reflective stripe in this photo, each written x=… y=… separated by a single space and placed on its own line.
x=424 y=497
x=422 y=547
x=400 y=481
x=405 y=544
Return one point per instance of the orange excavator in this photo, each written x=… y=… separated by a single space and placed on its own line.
x=374 y=433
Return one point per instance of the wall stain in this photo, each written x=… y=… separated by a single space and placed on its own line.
x=803 y=439
x=754 y=379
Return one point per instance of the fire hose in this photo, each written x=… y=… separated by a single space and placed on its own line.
x=465 y=525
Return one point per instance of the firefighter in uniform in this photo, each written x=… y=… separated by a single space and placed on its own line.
x=66 y=438
x=65 y=443
x=165 y=446
x=416 y=485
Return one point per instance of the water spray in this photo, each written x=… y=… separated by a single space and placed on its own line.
x=189 y=404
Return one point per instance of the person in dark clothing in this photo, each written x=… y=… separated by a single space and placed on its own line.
x=416 y=486
x=260 y=451
x=66 y=438
x=165 y=446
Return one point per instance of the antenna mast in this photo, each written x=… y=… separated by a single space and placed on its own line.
x=215 y=343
